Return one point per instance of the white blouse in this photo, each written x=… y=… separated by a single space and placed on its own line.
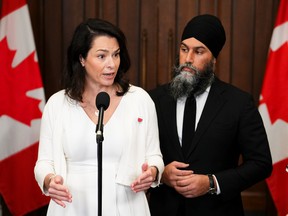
x=68 y=148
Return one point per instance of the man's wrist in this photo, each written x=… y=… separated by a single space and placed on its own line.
x=212 y=185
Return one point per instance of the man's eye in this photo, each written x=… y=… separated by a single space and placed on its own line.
x=184 y=49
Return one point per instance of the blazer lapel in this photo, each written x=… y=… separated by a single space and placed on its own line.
x=213 y=105
x=168 y=109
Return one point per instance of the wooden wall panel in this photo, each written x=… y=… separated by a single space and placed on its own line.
x=148 y=43
x=186 y=9
x=109 y=10
x=207 y=6
x=52 y=59
x=91 y=9
x=128 y=21
x=36 y=9
x=72 y=16
x=166 y=38
x=224 y=62
x=264 y=23
x=243 y=39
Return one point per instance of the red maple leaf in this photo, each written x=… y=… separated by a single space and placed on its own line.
x=15 y=83
x=275 y=84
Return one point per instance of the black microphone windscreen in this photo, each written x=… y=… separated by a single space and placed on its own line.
x=102 y=100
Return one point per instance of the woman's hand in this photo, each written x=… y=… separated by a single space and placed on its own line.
x=145 y=180
x=57 y=191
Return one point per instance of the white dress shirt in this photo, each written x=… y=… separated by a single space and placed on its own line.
x=200 y=103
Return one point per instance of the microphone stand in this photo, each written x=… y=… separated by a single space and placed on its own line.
x=99 y=140
x=102 y=103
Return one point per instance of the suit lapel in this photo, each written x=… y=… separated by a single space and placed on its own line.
x=168 y=109
x=212 y=106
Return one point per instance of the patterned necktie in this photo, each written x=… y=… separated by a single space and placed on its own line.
x=188 y=123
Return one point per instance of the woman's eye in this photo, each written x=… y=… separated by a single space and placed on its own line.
x=117 y=54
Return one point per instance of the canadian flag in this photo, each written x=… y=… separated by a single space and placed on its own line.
x=274 y=108
x=21 y=104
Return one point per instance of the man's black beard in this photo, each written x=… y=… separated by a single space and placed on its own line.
x=184 y=85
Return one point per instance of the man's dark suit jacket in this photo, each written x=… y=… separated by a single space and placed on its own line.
x=230 y=126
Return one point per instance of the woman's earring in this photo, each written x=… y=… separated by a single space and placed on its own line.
x=81 y=61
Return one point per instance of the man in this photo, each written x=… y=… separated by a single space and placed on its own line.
x=202 y=173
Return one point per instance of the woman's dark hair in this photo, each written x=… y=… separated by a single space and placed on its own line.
x=73 y=79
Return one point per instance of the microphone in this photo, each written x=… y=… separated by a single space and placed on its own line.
x=102 y=103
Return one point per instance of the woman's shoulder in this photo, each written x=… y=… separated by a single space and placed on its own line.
x=58 y=99
x=138 y=92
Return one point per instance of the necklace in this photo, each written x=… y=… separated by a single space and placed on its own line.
x=97 y=112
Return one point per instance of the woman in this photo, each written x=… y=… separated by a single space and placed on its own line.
x=66 y=169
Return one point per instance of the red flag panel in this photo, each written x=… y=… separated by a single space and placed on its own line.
x=8 y=6
x=273 y=108
x=21 y=98
x=18 y=186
